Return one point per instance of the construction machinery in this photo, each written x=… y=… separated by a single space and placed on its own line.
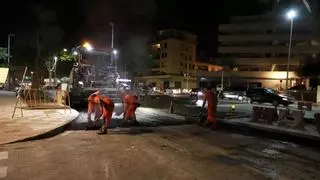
x=94 y=71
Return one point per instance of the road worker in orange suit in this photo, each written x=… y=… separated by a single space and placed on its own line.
x=211 y=98
x=131 y=104
x=94 y=106
x=107 y=110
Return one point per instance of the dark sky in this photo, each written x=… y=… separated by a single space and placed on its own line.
x=85 y=19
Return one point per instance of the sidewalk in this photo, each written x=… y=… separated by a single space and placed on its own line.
x=33 y=124
x=242 y=123
x=309 y=131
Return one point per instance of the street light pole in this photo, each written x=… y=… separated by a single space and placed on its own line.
x=289 y=55
x=8 y=49
x=112 y=46
x=291 y=15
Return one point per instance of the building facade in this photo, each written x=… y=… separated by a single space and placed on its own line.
x=254 y=49
x=260 y=42
x=175 y=65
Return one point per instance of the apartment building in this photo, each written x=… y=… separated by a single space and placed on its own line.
x=175 y=65
x=259 y=43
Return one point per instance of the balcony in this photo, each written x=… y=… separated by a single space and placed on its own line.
x=259 y=27
x=306 y=49
x=265 y=38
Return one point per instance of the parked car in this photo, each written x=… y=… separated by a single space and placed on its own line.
x=267 y=95
x=196 y=92
x=235 y=93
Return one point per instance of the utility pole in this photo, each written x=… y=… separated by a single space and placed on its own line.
x=291 y=15
x=8 y=49
x=112 y=46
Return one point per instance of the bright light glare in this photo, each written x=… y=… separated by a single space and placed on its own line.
x=65 y=50
x=115 y=52
x=55 y=58
x=291 y=14
x=88 y=46
x=75 y=53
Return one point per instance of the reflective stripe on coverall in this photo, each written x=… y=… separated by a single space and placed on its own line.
x=94 y=105
x=107 y=109
x=131 y=104
x=212 y=105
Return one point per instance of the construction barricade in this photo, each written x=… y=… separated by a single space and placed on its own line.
x=291 y=118
x=266 y=114
x=305 y=105
x=44 y=98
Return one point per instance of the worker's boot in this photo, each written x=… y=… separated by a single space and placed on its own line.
x=135 y=122
x=90 y=124
x=208 y=124
x=214 y=126
x=103 y=130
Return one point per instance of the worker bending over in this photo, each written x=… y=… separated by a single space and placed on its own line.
x=130 y=104
x=94 y=106
x=107 y=110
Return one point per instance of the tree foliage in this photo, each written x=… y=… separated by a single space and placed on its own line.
x=67 y=56
x=39 y=40
x=3 y=53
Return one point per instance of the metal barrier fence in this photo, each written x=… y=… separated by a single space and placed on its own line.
x=38 y=98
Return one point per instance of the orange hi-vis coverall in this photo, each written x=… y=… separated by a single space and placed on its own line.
x=211 y=98
x=107 y=109
x=94 y=105
x=131 y=104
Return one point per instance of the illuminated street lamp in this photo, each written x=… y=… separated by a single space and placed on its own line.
x=75 y=53
x=291 y=15
x=65 y=50
x=87 y=46
x=115 y=52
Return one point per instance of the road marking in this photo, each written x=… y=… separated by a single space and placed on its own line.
x=66 y=133
x=3 y=155
x=3 y=172
x=108 y=173
x=3 y=169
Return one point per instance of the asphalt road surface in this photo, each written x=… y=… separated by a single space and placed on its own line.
x=156 y=152
x=168 y=152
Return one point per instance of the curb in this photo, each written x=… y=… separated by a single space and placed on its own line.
x=284 y=135
x=48 y=134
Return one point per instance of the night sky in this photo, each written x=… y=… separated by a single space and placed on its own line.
x=89 y=19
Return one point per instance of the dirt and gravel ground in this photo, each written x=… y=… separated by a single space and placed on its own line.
x=172 y=152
